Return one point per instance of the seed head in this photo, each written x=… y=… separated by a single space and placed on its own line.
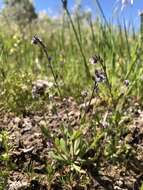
x=84 y=93
x=94 y=59
x=35 y=40
x=100 y=76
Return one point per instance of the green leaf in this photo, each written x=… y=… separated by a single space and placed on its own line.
x=77 y=146
x=71 y=150
x=78 y=168
x=63 y=145
x=141 y=188
x=1 y=138
x=56 y=157
x=45 y=131
x=57 y=142
x=97 y=140
x=4 y=157
x=76 y=135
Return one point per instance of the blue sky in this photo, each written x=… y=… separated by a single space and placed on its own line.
x=130 y=14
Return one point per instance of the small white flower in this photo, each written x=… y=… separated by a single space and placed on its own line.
x=121 y=4
x=126 y=3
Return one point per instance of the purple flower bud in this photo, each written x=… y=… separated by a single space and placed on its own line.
x=93 y=60
x=104 y=125
x=99 y=76
x=126 y=82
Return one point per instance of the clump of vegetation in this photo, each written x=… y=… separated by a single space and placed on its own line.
x=20 y=12
x=70 y=102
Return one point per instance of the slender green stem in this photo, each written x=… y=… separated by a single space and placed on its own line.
x=141 y=26
x=50 y=65
x=100 y=8
x=78 y=41
x=36 y=40
x=107 y=79
x=92 y=95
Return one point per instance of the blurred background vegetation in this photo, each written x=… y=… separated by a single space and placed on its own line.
x=72 y=39
x=95 y=62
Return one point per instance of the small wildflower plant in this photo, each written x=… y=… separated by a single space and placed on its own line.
x=84 y=79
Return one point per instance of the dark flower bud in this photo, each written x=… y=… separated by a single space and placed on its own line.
x=35 y=40
x=49 y=58
x=94 y=59
x=99 y=76
x=126 y=82
x=64 y=4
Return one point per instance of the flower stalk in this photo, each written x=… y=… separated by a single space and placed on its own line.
x=38 y=41
x=64 y=3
